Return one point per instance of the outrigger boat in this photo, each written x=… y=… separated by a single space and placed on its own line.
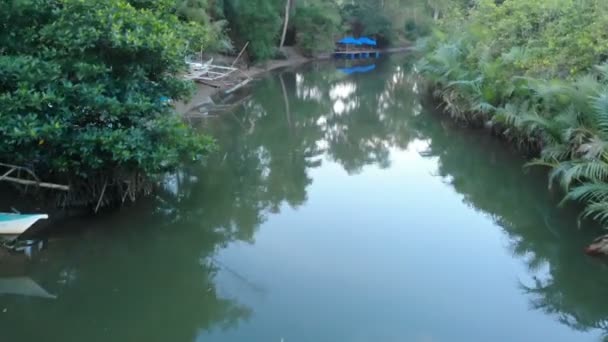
x=17 y=224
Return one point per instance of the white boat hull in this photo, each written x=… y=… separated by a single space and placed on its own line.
x=19 y=224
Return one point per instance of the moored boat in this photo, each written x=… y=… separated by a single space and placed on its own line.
x=16 y=224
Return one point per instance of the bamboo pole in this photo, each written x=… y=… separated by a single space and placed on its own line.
x=239 y=55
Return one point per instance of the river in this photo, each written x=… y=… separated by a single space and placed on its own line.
x=338 y=207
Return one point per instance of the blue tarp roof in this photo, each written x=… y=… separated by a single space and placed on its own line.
x=358 y=69
x=367 y=41
x=357 y=41
x=349 y=40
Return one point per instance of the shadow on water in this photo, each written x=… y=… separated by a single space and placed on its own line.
x=147 y=272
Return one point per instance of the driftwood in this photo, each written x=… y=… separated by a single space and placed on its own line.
x=12 y=169
x=209 y=109
x=237 y=86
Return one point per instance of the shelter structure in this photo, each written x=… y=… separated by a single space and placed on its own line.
x=352 y=48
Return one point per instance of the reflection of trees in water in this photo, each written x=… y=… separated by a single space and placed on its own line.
x=271 y=142
x=267 y=149
x=149 y=269
x=362 y=116
x=567 y=284
x=124 y=279
x=356 y=119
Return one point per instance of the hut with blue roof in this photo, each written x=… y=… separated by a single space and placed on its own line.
x=351 y=48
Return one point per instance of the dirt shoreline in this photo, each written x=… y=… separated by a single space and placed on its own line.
x=204 y=93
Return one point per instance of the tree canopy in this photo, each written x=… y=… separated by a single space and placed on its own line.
x=82 y=85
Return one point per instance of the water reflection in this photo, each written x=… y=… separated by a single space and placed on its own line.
x=148 y=273
x=120 y=280
x=356 y=120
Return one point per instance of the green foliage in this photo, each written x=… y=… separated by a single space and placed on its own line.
x=202 y=12
x=528 y=69
x=81 y=83
x=257 y=22
x=367 y=17
x=318 y=24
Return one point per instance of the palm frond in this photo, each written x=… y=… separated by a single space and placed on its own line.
x=589 y=192
x=511 y=114
x=553 y=174
x=602 y=69
x=556 y=173
x=586 y=86
x=597 y=211
x=553 y=129
x=550 y=89
x=516 y=54
x=600 y=106
x=555 y=153
x=483 y=107
x=595 y=148
x=473 y=86
x=571 y=172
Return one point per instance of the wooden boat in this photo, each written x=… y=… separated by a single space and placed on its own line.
x=16 y=224
x=196 y=65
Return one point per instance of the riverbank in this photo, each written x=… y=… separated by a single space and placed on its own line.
x=205 y=94
x=544 y=92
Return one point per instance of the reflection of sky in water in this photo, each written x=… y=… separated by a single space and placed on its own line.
x=340 y=94
x=307 y=92
x=403 y=274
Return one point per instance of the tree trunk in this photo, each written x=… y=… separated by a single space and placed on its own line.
x=286 y=101
x=285 y=23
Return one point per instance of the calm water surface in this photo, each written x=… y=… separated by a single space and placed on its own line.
x=338 y=208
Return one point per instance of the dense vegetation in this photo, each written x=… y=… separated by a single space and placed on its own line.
x=535 y=72
x=81 y=84
x=314 y=25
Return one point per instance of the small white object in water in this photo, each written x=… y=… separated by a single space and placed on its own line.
x=4 y=310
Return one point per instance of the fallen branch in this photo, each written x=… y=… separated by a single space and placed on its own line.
x=35 y=183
